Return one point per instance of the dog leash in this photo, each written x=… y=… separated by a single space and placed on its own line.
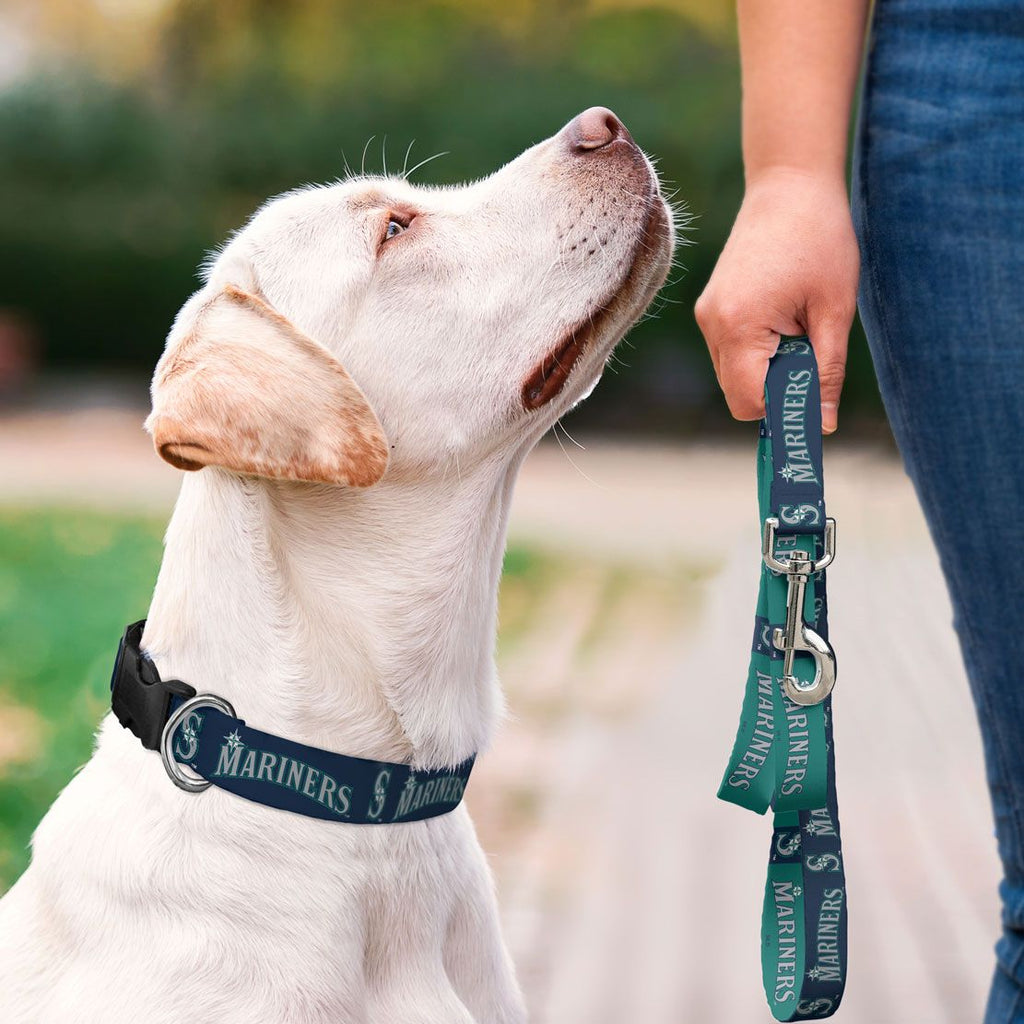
x=783 y=756
x=202 y=732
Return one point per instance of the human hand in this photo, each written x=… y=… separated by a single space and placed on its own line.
x=790 y=266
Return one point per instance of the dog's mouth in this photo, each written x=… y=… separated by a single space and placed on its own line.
x=548 y=377
x=641 y=280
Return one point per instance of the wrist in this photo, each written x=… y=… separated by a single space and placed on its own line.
x=773 y=176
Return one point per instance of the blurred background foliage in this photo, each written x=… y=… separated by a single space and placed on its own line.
x=136 y=134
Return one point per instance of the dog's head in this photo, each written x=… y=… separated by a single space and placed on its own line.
x=374 y=326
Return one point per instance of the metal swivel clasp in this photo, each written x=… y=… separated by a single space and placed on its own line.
x=797 y=635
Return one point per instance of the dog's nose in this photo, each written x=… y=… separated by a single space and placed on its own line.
x=596 y=128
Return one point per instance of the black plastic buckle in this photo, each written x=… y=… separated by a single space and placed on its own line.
x=138 y=696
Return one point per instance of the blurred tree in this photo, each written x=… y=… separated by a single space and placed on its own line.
x=150 y=129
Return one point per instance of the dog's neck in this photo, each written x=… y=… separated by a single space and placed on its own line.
x=362 y=621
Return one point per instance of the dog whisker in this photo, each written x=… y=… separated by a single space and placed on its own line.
x=615 y=361
x=569 y=459
x=362 y=162
x=422 y=163
x=569 y=437
x=600 y=245
x=405 y=162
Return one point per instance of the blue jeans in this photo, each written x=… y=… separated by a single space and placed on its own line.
x=938 y=196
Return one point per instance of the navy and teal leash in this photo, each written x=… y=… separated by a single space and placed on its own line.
x=784 y=756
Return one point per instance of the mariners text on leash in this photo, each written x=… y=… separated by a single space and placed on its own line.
x=784 y=756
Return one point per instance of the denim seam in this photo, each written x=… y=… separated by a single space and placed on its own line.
x=1016 y=812
x=1017 y=999
x=1017 y=960
x=892 y=366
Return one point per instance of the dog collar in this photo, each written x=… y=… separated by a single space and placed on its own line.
x=784 y=756
x=202 y=733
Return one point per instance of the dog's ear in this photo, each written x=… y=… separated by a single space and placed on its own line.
x=239 y=386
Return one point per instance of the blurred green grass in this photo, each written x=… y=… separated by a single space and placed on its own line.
x=69 y=581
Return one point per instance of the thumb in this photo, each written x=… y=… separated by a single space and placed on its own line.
x=829 y=333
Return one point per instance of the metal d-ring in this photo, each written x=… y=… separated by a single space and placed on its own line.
x=797 y=635
x=771 y=526
x=188 y=782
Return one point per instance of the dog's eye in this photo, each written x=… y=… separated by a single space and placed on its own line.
x=395 y=227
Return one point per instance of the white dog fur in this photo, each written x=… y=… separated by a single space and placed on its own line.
x=333 y=573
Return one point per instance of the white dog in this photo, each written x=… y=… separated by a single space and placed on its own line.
x=362 y=375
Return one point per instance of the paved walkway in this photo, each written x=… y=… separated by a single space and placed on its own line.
x=655 y=917
x=631 y=895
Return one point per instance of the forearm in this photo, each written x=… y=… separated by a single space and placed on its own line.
x=800 y=63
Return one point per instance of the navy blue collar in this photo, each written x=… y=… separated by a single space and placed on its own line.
x=201 y=732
